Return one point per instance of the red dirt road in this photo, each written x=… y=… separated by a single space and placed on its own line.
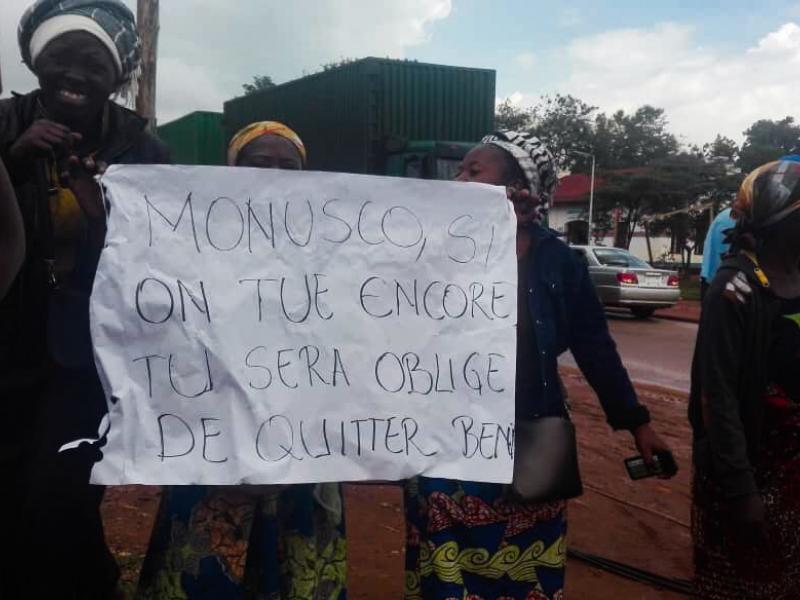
x=684 y=310
x=644 y=524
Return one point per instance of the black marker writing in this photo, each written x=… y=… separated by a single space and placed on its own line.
x=174 y=225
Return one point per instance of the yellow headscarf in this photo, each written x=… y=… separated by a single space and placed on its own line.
x=256 y=130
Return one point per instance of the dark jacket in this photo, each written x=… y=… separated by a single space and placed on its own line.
x=567 y=315
x=37 y=318
x=729 y=376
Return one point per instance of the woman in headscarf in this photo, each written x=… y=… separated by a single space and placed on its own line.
x=267 y=145
x=12 y=234
x=481 y=540
x=250 y=541
x=53 y=142
x=745 y=401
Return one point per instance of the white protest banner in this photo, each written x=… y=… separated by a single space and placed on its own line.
x=256 y=326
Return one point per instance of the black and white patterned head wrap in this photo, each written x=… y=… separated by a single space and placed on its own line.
x=113 y=18
x=533 y=158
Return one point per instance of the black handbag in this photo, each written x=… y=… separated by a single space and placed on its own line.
x=546 y=460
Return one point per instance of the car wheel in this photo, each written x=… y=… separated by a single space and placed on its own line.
x=642 y=312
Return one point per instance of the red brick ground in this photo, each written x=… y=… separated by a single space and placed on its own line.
x=684 y=310
x=644 y=524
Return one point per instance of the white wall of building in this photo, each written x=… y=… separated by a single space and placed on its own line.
x=562 y=214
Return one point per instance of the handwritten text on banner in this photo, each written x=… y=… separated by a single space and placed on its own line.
x=257 y=326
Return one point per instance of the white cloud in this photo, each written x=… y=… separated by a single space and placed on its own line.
x=208 y=48
x=627 y=49
x=515 y=99
x=183 y=88
x=784 y=40
x=704 y=91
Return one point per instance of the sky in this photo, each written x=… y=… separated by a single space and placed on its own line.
x=715 y=67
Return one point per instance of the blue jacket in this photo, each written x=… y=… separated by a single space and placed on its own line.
x=715 y=245
x=567 y=315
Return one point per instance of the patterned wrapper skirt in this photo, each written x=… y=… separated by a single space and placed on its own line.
x=263 y=543
x=725 y=567
x=471 y=541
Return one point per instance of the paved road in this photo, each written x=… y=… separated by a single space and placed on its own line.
x=655 y=351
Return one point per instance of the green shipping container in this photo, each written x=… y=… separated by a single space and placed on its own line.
x=195 y=139
x=346 y=116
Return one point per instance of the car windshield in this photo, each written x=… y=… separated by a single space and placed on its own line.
x=614 y=257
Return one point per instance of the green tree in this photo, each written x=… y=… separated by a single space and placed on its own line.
x=632 y=152
x=335 y=64
x=631 y=193
x=511 y=117
x=642 y=169
x=721 y=147
x=766 y=141
x=674 y=183
x=566 y=123
x=563 y=122
x=261 y=82
x=633 y=140
x=689 y=183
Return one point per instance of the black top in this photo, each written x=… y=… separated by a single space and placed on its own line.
x=40 y=323
x=529 y=376
x=730 y=375
x=784 y=353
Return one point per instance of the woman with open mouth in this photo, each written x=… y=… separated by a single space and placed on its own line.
x=54 y=141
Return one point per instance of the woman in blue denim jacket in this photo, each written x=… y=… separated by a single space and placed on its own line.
x=475 y=540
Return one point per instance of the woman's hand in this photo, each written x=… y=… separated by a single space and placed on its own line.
x=649 y=443
x=79 y=176
x=525 y=206
x=42 y=138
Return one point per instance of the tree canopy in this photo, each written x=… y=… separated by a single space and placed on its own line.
x=645 y=171
x=260 y=82
x=766 y=141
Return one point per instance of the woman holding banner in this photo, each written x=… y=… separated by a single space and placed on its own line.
x=489 y=541
x=259 y=542
x=53 y=142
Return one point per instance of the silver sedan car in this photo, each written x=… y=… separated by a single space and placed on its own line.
x=623 y=280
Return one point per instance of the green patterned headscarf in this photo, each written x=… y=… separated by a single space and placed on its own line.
x=110 y=21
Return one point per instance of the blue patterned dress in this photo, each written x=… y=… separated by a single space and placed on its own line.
x=265 y=543
x=476 y=541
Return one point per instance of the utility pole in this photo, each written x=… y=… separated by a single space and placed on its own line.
x=147 y=18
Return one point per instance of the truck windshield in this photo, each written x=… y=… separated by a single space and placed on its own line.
x=447 y=168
